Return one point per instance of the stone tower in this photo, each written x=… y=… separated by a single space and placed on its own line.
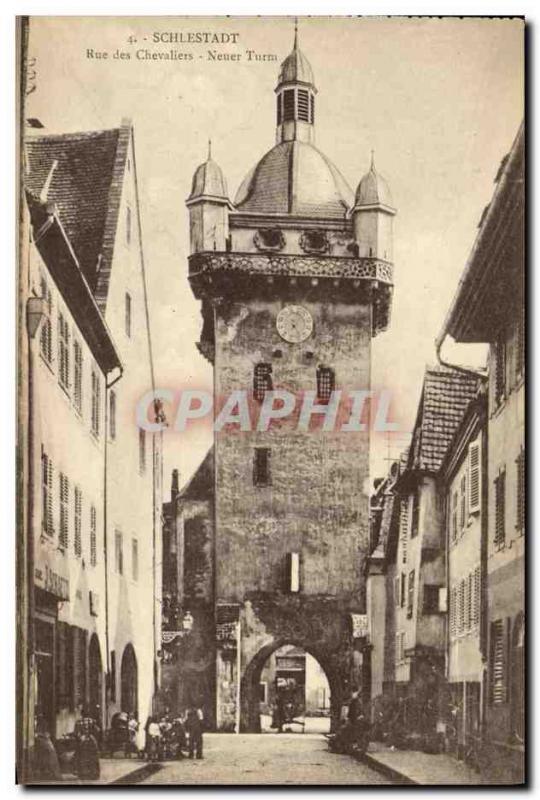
x=295 y=279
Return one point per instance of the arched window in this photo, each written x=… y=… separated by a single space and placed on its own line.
x=129 y=681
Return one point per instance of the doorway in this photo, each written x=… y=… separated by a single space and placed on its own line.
x=129 y=681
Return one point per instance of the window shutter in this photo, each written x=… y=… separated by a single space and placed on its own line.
x=404 y=527
x=520 y=492
x=475 y=478
x=498 y=691
x=477 y=597
x=77 y=538
x=293 y=572
x=500 y=508
x=63 y=534
x=396 y=590
x=93 y=536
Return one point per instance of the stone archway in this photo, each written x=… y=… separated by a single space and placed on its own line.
x=249 y=684
x=129 y=681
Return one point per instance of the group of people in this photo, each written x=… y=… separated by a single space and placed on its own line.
x=169 y=737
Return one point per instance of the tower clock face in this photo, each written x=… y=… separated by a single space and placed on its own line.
x=294 y=324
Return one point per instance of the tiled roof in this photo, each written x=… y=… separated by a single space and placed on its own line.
x=201 y=485
x=445 y=397
x=86 y=187
x=295 y=178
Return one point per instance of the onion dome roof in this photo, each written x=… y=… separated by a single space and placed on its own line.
x=373 y=190
x=208 y=181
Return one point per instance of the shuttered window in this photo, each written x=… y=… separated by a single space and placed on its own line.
x=500 y=509
x=288 y=105
x=469 y=598
x=63 y=533
x=47 y=495
x=500 y=369
x=77 y=375
x=96 y=404
x=112 y=415
x=262 y=381
x=453 y=611
x=454 y=517
x=93 y=536
x=520 y=492
x=397 y=590
x=410 y=595
x=463 y=502
x=404 y=527
x=475 y=478
x=461 y=607
x=46 y=325
x=63 y=351
x=326 y=383
x=77 y=532
x=261 y=466
x=303 y=105
x=477 y=597
x=403 y=589
x=498 y=662
x=119 y=552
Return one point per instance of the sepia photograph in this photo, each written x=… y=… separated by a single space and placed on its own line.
x=271 y=373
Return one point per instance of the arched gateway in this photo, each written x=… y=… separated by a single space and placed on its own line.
x=250 y=684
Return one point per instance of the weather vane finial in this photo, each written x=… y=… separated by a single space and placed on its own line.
x=373 y=159
x=209 y=149
x=296 y=33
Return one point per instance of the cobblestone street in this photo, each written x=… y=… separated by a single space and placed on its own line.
x=266 y=759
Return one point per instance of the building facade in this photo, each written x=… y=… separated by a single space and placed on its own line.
x=463 y=492
x=94 y=363
x=295 y=277
x=73 y=357
x=489 y=308
x=407 y=569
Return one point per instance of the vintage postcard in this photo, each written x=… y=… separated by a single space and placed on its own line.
x=271 y=401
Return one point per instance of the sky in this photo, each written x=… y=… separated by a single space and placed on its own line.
x=438 y=100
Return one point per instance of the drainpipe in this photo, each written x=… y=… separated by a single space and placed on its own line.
x=108 y=387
